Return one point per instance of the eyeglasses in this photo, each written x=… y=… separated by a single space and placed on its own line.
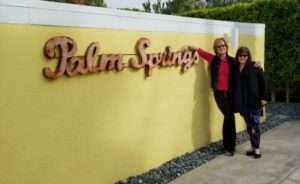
x=243 y=55
x=220 y=46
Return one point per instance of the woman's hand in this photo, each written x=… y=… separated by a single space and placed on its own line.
x=186 y=48
x=258 y=64
x=192 y=48
x=263 y=102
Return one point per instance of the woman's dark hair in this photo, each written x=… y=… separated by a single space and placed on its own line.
x=243 y=50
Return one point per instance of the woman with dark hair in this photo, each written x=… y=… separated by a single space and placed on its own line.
x=222 y=66
x=250 y=96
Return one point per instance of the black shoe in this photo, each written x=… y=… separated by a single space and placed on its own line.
x=255 y=155
x=229 y=153
x=250 y=153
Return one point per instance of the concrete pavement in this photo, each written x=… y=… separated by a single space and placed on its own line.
x=279 y=164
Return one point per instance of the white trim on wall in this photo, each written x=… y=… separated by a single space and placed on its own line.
x=37 y=12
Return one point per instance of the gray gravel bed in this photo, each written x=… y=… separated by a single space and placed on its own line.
x=277 y=113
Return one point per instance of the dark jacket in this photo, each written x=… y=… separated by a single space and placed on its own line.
x=215 y=66
x=251 y=85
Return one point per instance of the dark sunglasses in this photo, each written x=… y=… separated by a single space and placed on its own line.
x=219 y=46
x=244 y=55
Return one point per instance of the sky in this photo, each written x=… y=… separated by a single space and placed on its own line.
x=128 y=3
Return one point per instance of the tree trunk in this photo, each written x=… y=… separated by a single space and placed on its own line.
x=273 y=96
x=287 y=93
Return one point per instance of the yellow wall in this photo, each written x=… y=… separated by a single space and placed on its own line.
x=104 y=127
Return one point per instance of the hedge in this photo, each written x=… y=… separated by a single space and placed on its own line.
x=282 y=47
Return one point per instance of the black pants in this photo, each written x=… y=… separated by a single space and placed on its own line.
x=225 y=104
x=252 y=119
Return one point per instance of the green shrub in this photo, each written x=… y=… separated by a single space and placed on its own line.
x=282 y=20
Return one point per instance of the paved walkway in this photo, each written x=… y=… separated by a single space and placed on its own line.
x=279 y=164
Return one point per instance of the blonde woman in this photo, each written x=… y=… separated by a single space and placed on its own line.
x=222 y=66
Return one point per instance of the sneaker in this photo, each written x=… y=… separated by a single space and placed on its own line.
x=229 y=153
x=250 y=153
x=255 y=155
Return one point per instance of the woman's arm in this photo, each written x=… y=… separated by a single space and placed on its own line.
x=204 y=54
x=262 y=86
x=258 y=64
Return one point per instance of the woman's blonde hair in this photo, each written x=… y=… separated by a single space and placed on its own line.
x=216 y=44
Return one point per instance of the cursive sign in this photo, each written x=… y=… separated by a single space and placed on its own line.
x=92 y=62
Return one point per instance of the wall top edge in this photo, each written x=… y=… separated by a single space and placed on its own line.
x=40 y=12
